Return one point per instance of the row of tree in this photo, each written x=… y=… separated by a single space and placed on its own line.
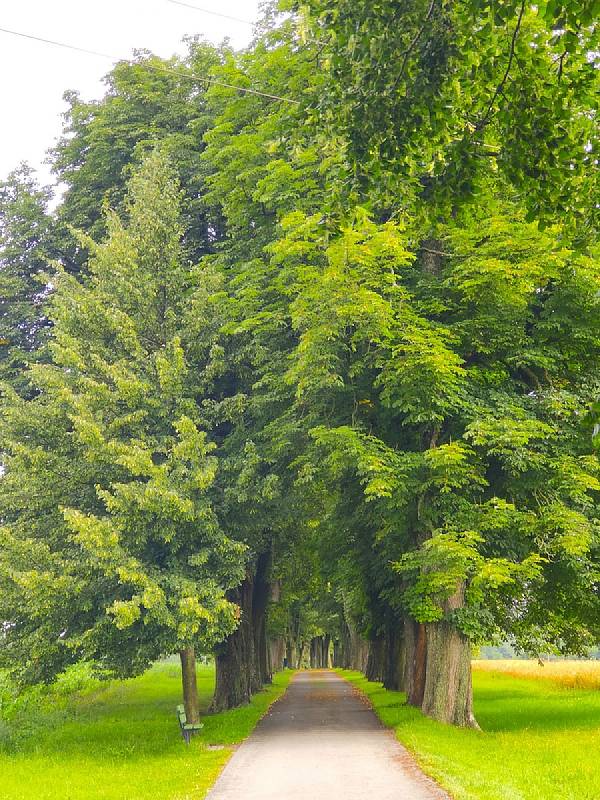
x=285 y=377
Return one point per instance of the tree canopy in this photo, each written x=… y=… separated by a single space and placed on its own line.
x=322 y=371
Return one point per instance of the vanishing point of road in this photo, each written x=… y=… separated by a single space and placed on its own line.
x=322 y=741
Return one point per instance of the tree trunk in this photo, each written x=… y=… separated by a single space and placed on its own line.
x=301 y=654
x=415 y=664
x=374 y=670
x=448 y=695
x=326 y=646
x=277 y=653
x=361 y=654
x=343 y=647
x=190 y=689
x=314 y=663
x=393 y=668
x=358 y=651
x=235 y=660
x=260 y=601
x=291 y=654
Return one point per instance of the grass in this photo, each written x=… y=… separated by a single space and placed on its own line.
x=121 y=741
x=540 y=741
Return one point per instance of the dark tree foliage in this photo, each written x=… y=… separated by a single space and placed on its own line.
x=433 y=94
x=26 y=247
x=147 y=101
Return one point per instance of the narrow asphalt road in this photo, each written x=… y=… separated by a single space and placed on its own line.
x=321 y=741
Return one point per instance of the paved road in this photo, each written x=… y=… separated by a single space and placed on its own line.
x=321 y=741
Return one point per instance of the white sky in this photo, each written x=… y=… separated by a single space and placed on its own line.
x=35 y=75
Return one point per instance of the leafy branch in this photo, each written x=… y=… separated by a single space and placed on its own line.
x=499 y=89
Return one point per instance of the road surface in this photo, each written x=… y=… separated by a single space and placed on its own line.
x=322 y=741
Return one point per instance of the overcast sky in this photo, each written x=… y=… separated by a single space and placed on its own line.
x=35 y=75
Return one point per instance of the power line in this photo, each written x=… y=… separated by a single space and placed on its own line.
x=58 y=44
x=208 y=11
x=153 y=67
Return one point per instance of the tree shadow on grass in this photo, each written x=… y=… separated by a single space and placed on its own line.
x=558 y=710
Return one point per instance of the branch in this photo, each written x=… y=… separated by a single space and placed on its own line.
x=413 y=44
x=485 y=119
x=561 y=62
x=435 y=252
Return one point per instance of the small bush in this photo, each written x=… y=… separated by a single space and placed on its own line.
x=24 y=712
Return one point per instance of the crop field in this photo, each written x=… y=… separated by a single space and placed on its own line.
x=569 y=674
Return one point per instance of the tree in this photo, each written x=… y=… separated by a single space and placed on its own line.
x=148 y=101
x=25 y=250
x=372 y=399
x=430 y=96
x=452 y=390
x=254 y=164
x=112 y=549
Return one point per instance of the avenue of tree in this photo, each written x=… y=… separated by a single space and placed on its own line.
x=311 y=379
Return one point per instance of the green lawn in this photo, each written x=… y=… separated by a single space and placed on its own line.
x=121 y=741
x=539 y=741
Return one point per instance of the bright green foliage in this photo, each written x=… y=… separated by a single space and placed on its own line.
x=111 y=546
x=398 y=386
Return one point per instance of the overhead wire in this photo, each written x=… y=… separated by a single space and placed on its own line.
x=209 y=11
x=152 y=67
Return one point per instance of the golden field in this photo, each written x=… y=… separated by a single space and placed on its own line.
x=569 y=674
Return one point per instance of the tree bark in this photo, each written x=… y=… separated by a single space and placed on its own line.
x=393 y=667
x=190 y=689
x=326 y=645
x=291 y=654
x=337 y=653
x=314 y=653
x=374 y=670
x=343 y=647
x=358 y=650
x=448 y=693
x=277 y=653
x=235 y=660
x=415 y=665
x=260 y=600
x=301 y=650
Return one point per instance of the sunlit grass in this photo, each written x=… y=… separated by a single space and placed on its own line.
x=539 y=740
x=569 y=674
x=122 y=742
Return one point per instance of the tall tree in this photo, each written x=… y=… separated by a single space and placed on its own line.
x=259 y=160
x=453 y=392
x=111 y=546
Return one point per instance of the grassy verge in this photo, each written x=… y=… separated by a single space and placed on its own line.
x=121 y=741
x=539 y=741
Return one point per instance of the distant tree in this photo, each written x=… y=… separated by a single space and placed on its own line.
x=111 y=546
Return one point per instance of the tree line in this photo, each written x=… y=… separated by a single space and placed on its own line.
x=312 y=377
